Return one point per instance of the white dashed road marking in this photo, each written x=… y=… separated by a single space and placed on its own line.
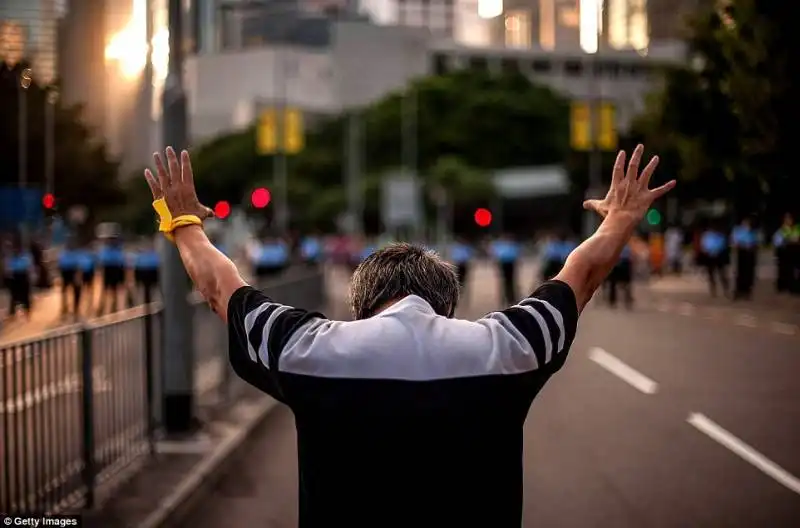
x=783 y=328
x=626 y=373
x=746 y=452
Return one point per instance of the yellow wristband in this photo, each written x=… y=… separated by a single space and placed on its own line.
x=167 y=224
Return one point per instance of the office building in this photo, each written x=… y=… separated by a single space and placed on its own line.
x=28 y=30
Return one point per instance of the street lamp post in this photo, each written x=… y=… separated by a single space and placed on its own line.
x=25 y=80
x=50 y=139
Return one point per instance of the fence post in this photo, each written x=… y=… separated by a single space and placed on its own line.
x=149 y=374
x=87 y=399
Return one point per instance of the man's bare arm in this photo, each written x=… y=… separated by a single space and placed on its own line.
x=214 y=275
x=591 y=262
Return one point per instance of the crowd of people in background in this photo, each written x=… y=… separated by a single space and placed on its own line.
x=111 y=274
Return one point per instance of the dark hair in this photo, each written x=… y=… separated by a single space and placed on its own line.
x=399 y=270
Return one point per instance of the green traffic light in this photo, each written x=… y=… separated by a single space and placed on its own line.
x=653 y=217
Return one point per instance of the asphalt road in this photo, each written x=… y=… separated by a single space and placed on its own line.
x=660 y=419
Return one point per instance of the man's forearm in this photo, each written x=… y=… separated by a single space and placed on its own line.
x=594 y=259
x=214 y=275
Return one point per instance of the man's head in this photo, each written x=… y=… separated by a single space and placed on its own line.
x=788 y=219
x=400 y=270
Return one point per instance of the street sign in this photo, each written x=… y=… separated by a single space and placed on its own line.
x=268 y=140
x=401 y=203
x=581 y=126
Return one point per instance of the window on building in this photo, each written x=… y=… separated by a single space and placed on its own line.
x=541 y=66
x=440 y=64
x=518 y=29
x=510 y=66
x=573 y=68
x=478 y=64
x=568 y=17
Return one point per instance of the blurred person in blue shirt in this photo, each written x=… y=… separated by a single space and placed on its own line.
x=506 y=252
x=19 y=267
x=69 y=270
x=311 y=250
x=146 y=263
x=112 y=260
x=714 y=249
x=554 y=254
x=461 y=255
x=270 y=257
x=745 y=240
x=87 y=264
x=621 y=277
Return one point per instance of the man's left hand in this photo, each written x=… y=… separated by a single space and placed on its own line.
x=175 y=183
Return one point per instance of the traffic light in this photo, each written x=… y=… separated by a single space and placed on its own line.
x=222 y=209
x=653 y=217
x=49 y=201
x=260 y=198
x=483 y=217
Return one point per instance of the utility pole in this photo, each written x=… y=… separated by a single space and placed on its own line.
x=594 y=189
x=353 y=169
x=178 y=351
x=409 y=141
x=25 y=79
x=279 y=159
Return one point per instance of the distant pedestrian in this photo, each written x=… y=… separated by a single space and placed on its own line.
x=673 y=245
x=714 y=247
x=19 y=268
x=461 y=254
x=69 y=270
x=786 y=241
x=112 y=261
x=745 y=240
x=87 y=264
x=621 y=278
x=146 y=264
x=506 y=253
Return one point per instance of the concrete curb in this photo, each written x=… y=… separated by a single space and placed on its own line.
x=197 y=484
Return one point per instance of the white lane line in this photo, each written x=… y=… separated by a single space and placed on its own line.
x=746 y=320
x=615 y=366
x=783 y=328
x=748 y=453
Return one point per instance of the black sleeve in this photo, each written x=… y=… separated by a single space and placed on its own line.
x=258 y=330
x=548 y=320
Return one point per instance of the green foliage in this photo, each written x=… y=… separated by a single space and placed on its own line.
x=720 y=122
x=468 y=123
x=84 y=173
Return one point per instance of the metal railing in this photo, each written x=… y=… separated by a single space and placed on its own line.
x=80 y=405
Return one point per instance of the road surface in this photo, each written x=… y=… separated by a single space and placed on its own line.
x=660 y=419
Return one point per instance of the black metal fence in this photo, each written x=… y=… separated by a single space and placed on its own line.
x=81 y=404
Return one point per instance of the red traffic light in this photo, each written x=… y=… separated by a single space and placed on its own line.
x=483 y=217
x=48 y=201
x=260 y=198
x=222 y=209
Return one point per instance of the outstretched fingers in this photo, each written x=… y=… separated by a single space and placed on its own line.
x=186 y=169
x=647 y=173
x=172 y=163
x=619 y=169
x=152 y=182
x=658 y=192
x=161 y=172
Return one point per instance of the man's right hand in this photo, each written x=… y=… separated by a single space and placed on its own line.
x=629 y=193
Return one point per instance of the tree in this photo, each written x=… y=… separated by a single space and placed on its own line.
x=721 y=120
x=84 y=173
x=467 y=123
x=762 y=52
